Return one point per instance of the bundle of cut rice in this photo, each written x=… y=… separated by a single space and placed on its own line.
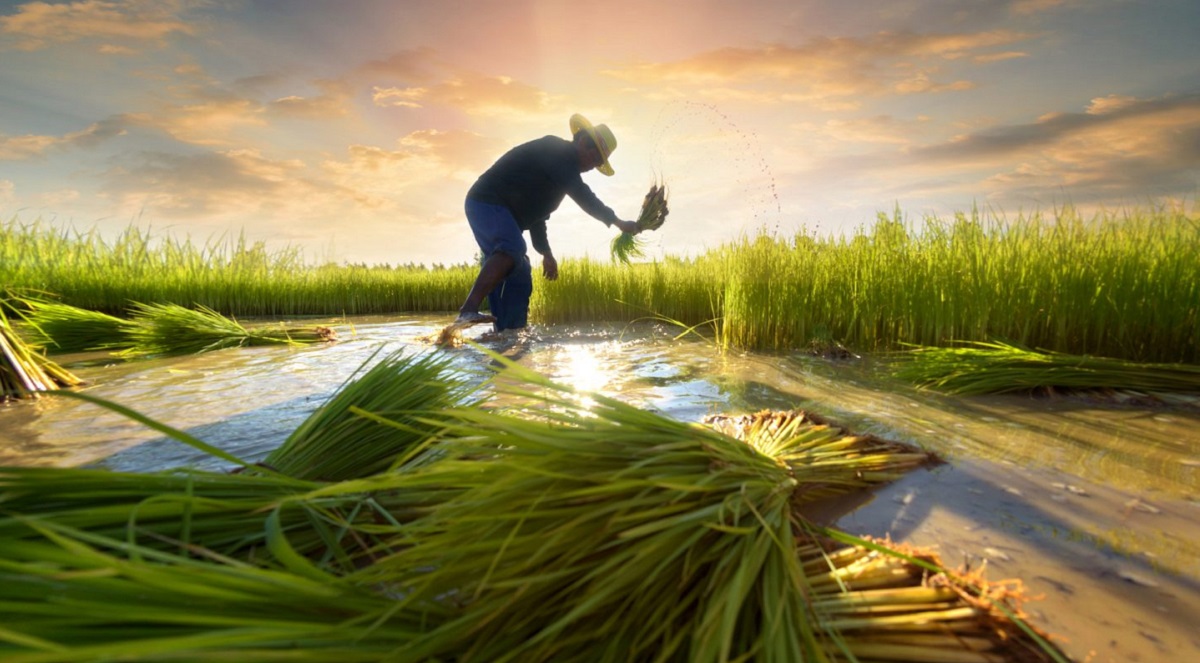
x=61 y=327
x=995 y=367
x=653 y=214
x=164 y=329
x=24 y=371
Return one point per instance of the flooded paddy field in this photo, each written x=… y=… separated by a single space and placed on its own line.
x=1094 y=505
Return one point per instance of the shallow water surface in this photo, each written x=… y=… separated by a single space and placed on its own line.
x=1094 y=506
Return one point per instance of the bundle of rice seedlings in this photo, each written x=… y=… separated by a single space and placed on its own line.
x=651 y=217
x=892 y=602
x=167 y=329
x=880 y=601
x=831 y=461
x=24 y=372
x=63 y=328
x=995 y=367
x=69 y=596
x=609 y=533
x=379 y=419
x=265 y=519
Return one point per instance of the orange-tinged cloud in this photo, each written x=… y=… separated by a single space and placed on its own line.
x=472 y=93
x=207 y=122
x=828 y=68
x=332 y=102
x=1122 y=146
x=36 y=25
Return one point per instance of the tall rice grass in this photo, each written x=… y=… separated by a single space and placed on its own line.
x=1120 y=284
x=231 y=276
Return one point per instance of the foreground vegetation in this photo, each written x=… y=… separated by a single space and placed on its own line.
x=565 y=533
x=1120 y=285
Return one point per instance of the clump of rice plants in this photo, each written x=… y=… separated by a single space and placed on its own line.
x=377 y=420
x=566 y=532
x=64 y=328
x=24 y=371
x=71 y=596
x=609 y=533
x=995 y=367
x=169 y=329
x=651 y=217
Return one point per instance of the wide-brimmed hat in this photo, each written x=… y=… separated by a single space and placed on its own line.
x=601 y=135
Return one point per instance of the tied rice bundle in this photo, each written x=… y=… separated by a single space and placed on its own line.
x=168 y=329
x=653 y=214
x=991 y=368
x=64 y=328
x=576 y=533
x=381 y=418
x=24 y=371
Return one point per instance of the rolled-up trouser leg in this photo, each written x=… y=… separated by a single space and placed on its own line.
x=509 y=302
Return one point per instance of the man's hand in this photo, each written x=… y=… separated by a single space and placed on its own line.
x=630 y=227
x=550 y=267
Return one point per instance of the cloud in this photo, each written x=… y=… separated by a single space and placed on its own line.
x=37 y=25
x=826 y=70
x=6 y=192
x=333 y=101
x=204 y=121
x=1120 y=148
x=471 y=93
x=212 y=183
x=429 y=170
x=18 y=148
x=419 y=78
x=879 y=129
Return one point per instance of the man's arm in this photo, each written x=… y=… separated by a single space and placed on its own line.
x=541 y=244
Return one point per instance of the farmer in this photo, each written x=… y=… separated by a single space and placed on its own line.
x=518 y=193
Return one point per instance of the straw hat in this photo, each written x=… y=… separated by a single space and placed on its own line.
x=601 y=135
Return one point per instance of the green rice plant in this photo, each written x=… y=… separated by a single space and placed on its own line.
x=995 y=367
x=168 y=329
x=1118 y=284
x=378 y=419
x=227 y=274
x=65 y=328
x=570 y=531
x=602 y=532
x=651 y=217
x=69 y=596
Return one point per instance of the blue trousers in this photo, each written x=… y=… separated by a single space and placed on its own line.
x=496 y=231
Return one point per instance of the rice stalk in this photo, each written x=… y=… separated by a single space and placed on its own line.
x=996 y=367
x=169 y=329
x=653 y=213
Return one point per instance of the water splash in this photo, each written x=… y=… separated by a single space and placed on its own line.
x=741 y=149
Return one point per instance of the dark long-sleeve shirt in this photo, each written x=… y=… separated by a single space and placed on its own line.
x=532 y=179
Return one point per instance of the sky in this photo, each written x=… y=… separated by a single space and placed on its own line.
x=352 y=130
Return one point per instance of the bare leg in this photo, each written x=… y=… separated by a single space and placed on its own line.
x=494 y=269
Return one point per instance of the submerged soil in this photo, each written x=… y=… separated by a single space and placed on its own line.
x=1094 y=505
